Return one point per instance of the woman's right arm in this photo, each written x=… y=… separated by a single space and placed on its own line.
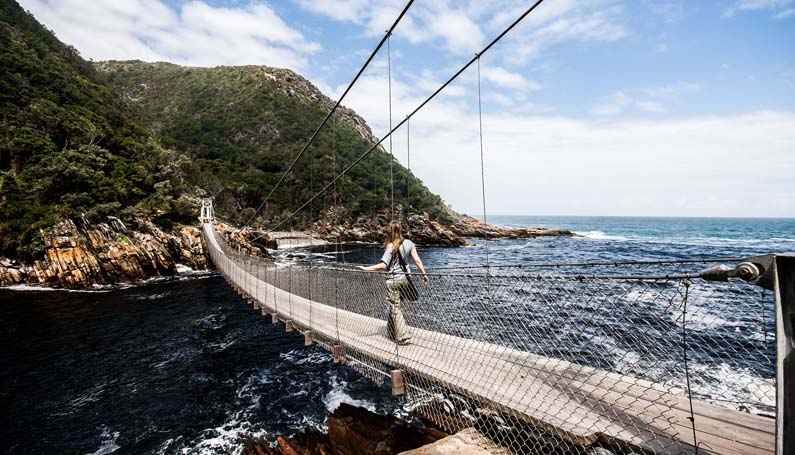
x=416 y=257
x=382 y=264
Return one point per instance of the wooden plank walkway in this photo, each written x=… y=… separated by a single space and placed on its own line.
x=578 y=403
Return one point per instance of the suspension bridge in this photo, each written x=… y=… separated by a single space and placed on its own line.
x=655 y=357
x=483 y=353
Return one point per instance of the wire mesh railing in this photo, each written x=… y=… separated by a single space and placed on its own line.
x=619 y=357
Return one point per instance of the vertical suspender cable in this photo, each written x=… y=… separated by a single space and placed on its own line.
x=389 y=88
x=309 y=227
x=692 y=417
x=482 y=171
x=334 y=219
x=408 y=174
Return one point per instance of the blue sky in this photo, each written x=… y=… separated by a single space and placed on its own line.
x=591 y=107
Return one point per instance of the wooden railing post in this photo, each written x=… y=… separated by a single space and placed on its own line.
x=398 y=383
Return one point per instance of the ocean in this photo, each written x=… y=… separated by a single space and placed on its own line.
x=182 y=365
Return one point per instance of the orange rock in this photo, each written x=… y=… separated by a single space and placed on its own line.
x=78 y=255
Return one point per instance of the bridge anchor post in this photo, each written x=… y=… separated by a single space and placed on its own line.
x=308 y=341
x=777 y=273
x=398 y=384
x=288 y=326
x=274 y=318
x=784 y=294
x=264 y=311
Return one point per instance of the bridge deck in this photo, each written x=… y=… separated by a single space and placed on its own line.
x=578 y=403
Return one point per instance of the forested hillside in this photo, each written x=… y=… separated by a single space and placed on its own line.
x=133 y=140
x=68 y=146
x=242 y=126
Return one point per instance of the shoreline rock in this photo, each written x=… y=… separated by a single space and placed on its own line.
x=469 y=226
x=351 y=431
x=78 y=255
x=336 y=225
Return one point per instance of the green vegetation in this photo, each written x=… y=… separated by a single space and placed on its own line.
x=135 y=139
x=243 y=125
x=68 y=147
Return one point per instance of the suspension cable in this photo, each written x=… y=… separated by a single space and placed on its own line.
x=482 y=171
x=333 y=109
x=417 y=109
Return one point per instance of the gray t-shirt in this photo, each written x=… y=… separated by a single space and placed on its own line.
x=394 y=268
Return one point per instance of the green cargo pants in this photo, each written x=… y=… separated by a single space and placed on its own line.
x=396 y=326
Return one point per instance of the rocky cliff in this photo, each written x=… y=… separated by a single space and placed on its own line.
x=351 y=431
x=338 y=225
x=468 y=226
x=77 y=254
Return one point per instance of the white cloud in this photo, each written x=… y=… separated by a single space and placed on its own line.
x=672 y=91
x=661 y=48
x=458 y=31
x=499 y=98
x=427 y=82
x=755 y=5
x=338 y=10
x=197 y=34
x=787 y=13
x=424 y=23
x=648 y=100
x=620 y=102
x=560 y=22
x=565 y=166
x=538 y=163
x=455 y=26
x=508 y=79
x=614 y=104
x=788 y=76
x=650 y=106
x=670 y=11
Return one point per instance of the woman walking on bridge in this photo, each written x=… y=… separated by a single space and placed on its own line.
x=399 y=286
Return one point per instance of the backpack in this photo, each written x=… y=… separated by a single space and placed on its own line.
x=409 y=290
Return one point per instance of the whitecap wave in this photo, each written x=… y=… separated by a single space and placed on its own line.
x=37 y=288
x=104 y=288
x=225 y=438
x=300 y=357
x=337 y=395
x=184 y=270
x=600 y=235
x=238 y=428
x=108 y=444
